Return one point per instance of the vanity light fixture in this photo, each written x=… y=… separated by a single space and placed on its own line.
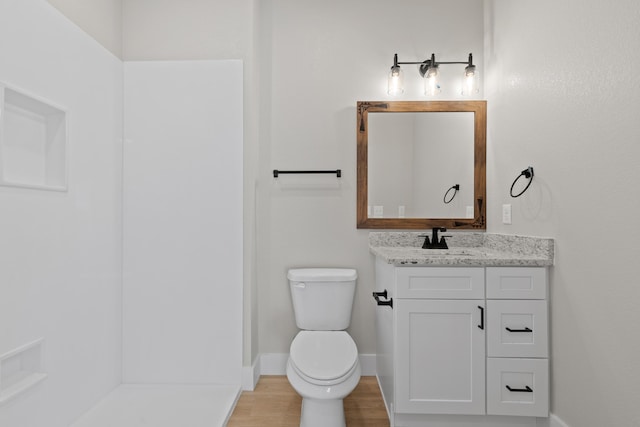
x=429 y=69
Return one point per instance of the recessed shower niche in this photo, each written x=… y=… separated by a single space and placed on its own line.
x=33 y=142
x=21 y=369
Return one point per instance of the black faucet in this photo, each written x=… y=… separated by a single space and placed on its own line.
x=435 y=243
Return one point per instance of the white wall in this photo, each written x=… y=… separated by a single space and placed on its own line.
x=186 y=29
x=60 y=251
x=101 y=19
x=318 y=58
x=563 y=97
x=182 y=215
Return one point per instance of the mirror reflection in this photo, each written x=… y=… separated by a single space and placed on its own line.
x=420 y=165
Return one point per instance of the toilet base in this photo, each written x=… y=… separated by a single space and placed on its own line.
x=322 y=404
x=322 y=413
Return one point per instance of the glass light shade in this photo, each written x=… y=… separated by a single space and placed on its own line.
x=396 y=81
x=470 y=85
x=431 y=82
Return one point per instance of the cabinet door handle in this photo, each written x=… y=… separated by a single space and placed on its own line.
x=481 y=325
x=527 y=389
x=519 y=330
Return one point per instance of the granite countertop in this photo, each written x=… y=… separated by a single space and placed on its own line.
x=465 y=249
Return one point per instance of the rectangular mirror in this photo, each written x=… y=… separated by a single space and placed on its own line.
x=421 y=164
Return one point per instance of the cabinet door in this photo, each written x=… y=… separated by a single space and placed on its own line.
x=440 y=356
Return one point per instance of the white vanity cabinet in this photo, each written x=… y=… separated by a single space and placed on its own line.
x=462 y=341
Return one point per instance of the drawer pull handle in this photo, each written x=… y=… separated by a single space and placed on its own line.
x=527 y=389
x=383 y=294
x=519 y=330
x=481 y=325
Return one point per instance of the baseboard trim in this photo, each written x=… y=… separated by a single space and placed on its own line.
x=251 y=375
x=552 y=421
x=276 y=364
x=368 y=365
x=273 y=363
x=555 y=421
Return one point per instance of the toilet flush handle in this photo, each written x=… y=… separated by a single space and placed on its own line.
x=300 y=285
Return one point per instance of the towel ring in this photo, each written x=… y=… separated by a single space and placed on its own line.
x=527 y=173
x=455 y=188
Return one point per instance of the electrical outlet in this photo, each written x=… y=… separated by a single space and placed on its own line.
x=469 y=211
x=401 y=211
x=506 y=214
x=378 y=211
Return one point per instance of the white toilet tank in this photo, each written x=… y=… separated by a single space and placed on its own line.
x=322 y=297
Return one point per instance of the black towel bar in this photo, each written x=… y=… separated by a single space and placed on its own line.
x=337 y=172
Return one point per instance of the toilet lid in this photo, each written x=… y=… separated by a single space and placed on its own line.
x=323 y=355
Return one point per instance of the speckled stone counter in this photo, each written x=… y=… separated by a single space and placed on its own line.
x=465 y=249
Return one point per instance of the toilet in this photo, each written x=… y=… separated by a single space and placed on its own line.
x=323 y=365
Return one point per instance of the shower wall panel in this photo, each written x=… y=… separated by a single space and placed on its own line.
x=60 y=251
x=183 y=222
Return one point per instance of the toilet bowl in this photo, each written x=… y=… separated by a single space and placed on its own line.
x=323 y=367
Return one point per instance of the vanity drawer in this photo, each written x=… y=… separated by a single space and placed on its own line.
x=517 y=328
x=517 y=282
x=528 y=380
x=440 y=282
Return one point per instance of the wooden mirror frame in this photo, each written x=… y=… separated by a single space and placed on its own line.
x=479 y=108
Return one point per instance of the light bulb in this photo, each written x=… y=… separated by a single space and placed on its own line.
x=431 y=81
x=396 y=81
x=470 y=81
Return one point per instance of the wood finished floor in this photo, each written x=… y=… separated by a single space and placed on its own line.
x=274 y=403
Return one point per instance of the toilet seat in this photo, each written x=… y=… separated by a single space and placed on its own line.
x=323 y=357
